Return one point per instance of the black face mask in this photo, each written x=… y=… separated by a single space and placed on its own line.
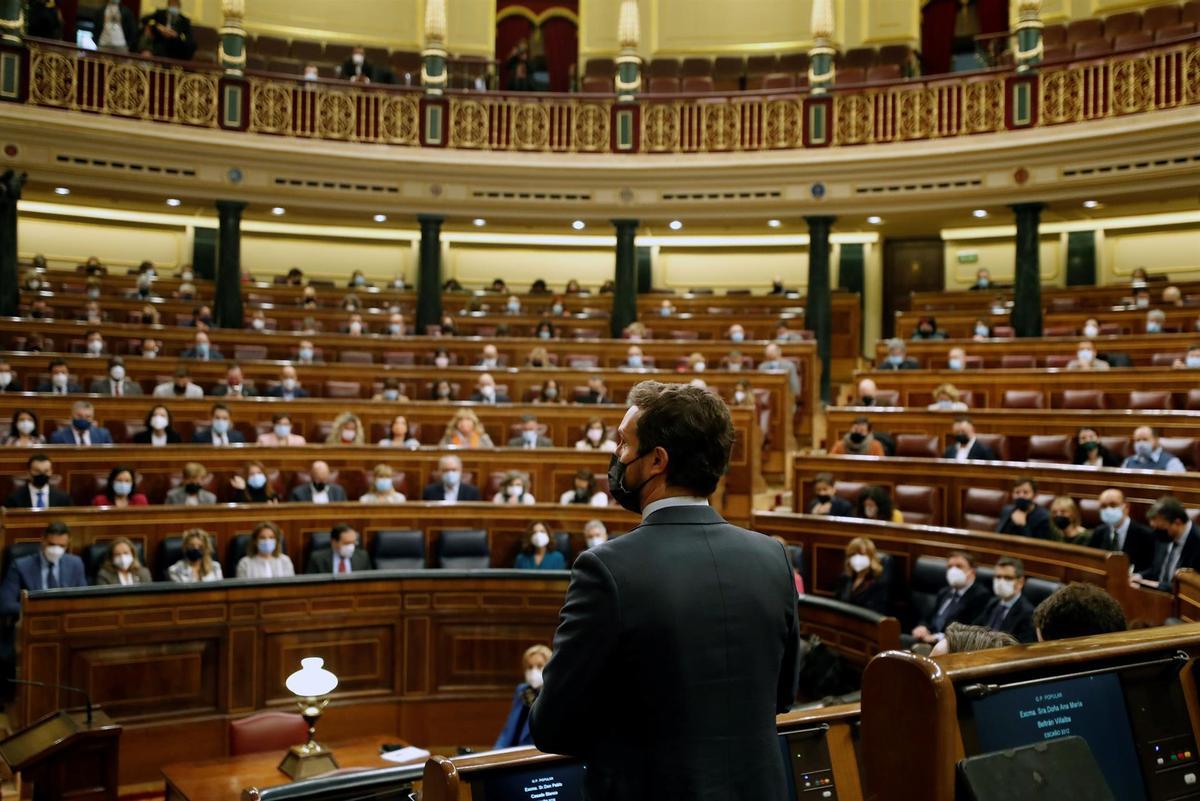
x=1024 y=504
x=824 y=498
x=627 y=497
x=868 y=400
x=961 y=439
x=1062 y=523
x=40 y=481
x=1091 y=446
x=857 y=437
x=191 y=489
x=179 y=390
x=193 y=554
x=319 y=486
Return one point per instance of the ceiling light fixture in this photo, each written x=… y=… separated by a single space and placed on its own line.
x=579 y=225
x=874 y=220
x=773 y=223
x=1091 y=204
x=61 y=190
x=279 y=211
x=675 y=225
x=479 y=222
x=979 y=213
x=380 y=218
x=174 y=202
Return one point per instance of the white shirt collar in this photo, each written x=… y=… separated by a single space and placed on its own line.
x=678 y=500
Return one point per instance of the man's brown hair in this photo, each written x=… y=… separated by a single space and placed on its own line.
x=693 y=426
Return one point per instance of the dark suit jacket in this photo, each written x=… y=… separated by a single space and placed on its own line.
x=214 y=355
x=978 y=451
x=26 y=574
x=476 y=397
x=972 y=603
x=436 y=492
x=72 y=387
x=542 y=442
x=204 y=436
x=1139 y=543
x=129 y=25
x=277 y=392
x=1018 y=622
x=667 y=682
x=907 y=364
x=66 y=436
x=1037 y=523
x=248 y=390
x=838 y=507
x=107 y=575
x=592 y=397
x=143 y=437
x=19 y=498
x=322 y=561
x=304 y=494
x=873 y=595
x=183 y=47
x=1189 y=558
x=373 y=73
x=103 y=386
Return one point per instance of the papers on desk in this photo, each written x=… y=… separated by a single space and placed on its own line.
x=408 y=754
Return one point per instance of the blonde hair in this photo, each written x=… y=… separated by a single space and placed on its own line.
x=864 y=545
x=133 y=568
x=1073 y=508
x=462 y=414
x=946 y=389
x=194 y=470
x=535 y=650
x=335 y=433
x=206 y=561
x=382 y=471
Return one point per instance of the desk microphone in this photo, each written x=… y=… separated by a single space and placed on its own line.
x=87 y=698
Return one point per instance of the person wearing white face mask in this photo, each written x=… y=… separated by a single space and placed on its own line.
x=357 y=68
x=263 y=559
x=118 y=490
x=538 y=551
x=516 y=726
x=221 y=432
x=1149 y=454
x=259 y=321
x=60 y=382
x=1191 y=361
x=512 y=490
x=863 y=583
x=1119 y=532
x=486 y=392
x=158 y=430
x=50 y=568
x=117 y=383
x=595 y=438
x=595 y=534
x=1009 y=611
x=1155 y=320
x=347 y=429
x=1086 y=359
x=23 y=432
x=344 y=554
x=121 y=567
x=280 y=435
x=960 y=601
x=8 y=379
x=288 y=387
x=449 y=486
x=1091 y=328
x=383 y=488
x=531 y=435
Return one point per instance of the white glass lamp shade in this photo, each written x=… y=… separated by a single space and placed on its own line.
x=312 y=680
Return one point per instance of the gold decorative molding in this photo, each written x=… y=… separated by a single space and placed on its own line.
x=538 y=19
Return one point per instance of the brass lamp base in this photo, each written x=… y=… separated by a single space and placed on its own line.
x=306 y=761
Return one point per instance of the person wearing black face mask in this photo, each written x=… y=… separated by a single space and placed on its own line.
x=667 y=632
x=1023 y=517
x=197 y=564
x=825 y=501
x=191 y=492
x=37 y=492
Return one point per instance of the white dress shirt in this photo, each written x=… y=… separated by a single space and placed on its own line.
x=963 y=452
x=322 y=496
x=112 y=35
x=82 y=437
x=678 y=500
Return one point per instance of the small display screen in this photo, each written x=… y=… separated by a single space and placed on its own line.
x=807 y=766
x=553 y=781
x=1092 y=707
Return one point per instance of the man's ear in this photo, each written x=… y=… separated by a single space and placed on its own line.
x=658 y=464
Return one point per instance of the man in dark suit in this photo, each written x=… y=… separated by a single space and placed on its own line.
x=117 y=383
x=1179 y=548
x=826 y=501
x=288 y=387
x=202 y=349
x=965 y=446
x=60 y=382
x=115 y=27
x=9 y=382
x=667 y=682
x=1120 y=532
x=530 y=436
x=221 y=431
x=897 y=358
x=170 y=33
x=235 y=386
x=597 y=391
x=450 y=488
x=1023 y=517
x=50 y=568
x=358 y=69
x=962 y=600
x=45 y=20
x=485 y=391
x=83 y=429
x=1009 y=611
x=37 y=492
x=342 y=556
x=318 y=489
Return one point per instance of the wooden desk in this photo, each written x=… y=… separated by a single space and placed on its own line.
x=1140 y=348
x=224 y=779
x=1081 y=297
x=1132 y=320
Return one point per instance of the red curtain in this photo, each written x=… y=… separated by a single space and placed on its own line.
x=560 y=36
x=509 y=31
x=993 y=15
x=937 y=35
x=561 y=42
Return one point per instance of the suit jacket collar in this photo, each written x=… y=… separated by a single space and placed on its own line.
x=684 y=516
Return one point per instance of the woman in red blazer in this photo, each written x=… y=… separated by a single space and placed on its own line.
x=119 y=489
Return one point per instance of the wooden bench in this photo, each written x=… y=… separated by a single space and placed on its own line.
x=1129 y=320
x=1081 y=297
x=857 y=634
x=1143 y=350
x=1187 y=596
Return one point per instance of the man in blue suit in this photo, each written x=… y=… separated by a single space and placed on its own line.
x=51 y=567
x=221 y=432
x=450 y=488
x=83 y=430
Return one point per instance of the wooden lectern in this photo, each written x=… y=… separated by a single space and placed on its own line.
x=65 y=758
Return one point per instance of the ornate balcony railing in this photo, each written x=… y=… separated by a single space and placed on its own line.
x=1134 y=82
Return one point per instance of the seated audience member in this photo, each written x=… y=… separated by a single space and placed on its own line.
x=118 y=491
x=634 y=358
x=531 y=436
x=573 y=288
x=442 y=391
x=202 y=349
x=897 y=358
x=306 y=353
x=516 y=726
x=1091 y=328
x=1178 y=544
x=1023 y=517
x=40 y=310
x=180 y=387
x=351 y=303
x=485 y=391
x=258 y=320
x=347 y=429
x=537 y=551
x=785 y=334
x=390 y=391
x=862 y=583
x=168 y=32
x=358 y=280
x=1149 y=454
x=594 y=437
x=8 y=379
x=550 y=393
x=280 y=434
x=584 y=490
x=451 y=487
x=875 y=503
x=191 y=491
x=151 y=316
x=858 y=440
x=1090 y=452
x=981 y=330
x=1120 y=532
x=308 y=297
x=514 y=489
x=960 y=601
x=95 y=342
x=513 y=305
x=121 y=566
x=825 y=501
x=399 y=435
x=597 y=391
x=927 y=329
x=383 y=488
x=83 y=430
x=150 y=348
x=796 y=577
x=358 y=70
x=1139 y=277
x=696 y=363
x=465 y=431
x=254 y=487
x=1009 y=611
x=60 y=382
x=288 y=387
x=220 y=431
x=116 y=383
x=773 y=360
x=1085 y=358
x=449 y=327
x=595 y=534
x=1156 y=320
x=743 y=394
x=946 y=399
x=294 y=277
x=1172 y=296
x=545 y=330
x=342 y=556
x=318 y=489
x=355 y=326
x=736 y=333
x=158 y=430
x=1191 y=361
x=966 y=447
x=666 y=308
x=733 y=361
x=50 y=568
x=37 y=492
x=197 y=562
x=962 y=638
x=23 y=432
x=956 y=359
x=490 y=358
x=1141 y=298
x=236 y=385
x=983 y=280
x=1066 y=523
x=866 y=394
x=538 y=357
x=1078 y=610
x=263 y=559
